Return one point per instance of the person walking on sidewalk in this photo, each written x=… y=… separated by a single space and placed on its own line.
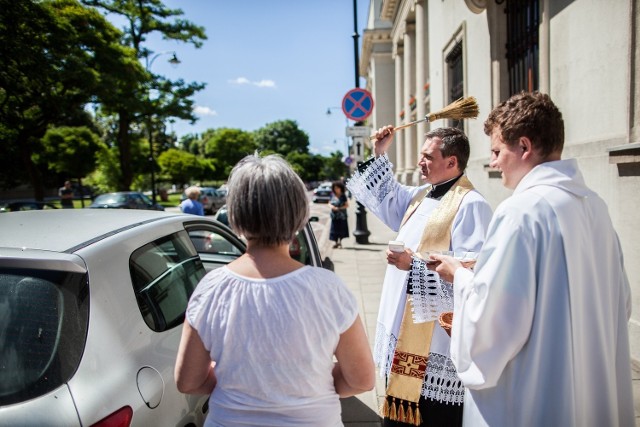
x=338 y=205
x=270 y=325
x=447 y=213
x=539 y=331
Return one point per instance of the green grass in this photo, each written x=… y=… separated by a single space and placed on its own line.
x=173 y=201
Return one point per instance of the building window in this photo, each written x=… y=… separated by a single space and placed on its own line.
x=455 y=77
x=523 y=20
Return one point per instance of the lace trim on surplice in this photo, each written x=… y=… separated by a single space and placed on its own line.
x=383 y=350
x=372 y=185
x=430 y=295
x=441 y=382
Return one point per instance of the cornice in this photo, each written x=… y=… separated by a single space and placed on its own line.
x=371 y=37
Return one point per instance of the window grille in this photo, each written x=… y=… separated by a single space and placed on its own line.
x=455 y=72
x=523 y=21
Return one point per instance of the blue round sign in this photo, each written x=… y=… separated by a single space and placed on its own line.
x=357 y=104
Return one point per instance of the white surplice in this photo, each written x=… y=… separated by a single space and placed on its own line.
x=388 y=200
x=540 y=331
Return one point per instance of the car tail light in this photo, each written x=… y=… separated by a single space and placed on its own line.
x=121 y=418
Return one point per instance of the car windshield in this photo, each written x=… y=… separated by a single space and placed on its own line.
x=110 y=198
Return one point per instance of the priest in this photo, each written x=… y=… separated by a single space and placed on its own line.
x=445 y=213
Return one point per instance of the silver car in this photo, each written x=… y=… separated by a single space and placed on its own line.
x=91 y=307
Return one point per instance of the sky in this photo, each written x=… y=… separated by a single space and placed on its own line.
x=266 y=61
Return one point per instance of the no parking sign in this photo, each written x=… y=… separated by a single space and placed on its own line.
x=357 y=104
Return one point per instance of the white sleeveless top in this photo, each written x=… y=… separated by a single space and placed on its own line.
x=273 y=341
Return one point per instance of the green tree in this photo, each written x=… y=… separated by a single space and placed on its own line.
x=71 y=151
x=181 y=167
x=282 y=137
x=158 y=98
x=334 y=166
x=57 y=56
x=225 y=147
x=307 y=166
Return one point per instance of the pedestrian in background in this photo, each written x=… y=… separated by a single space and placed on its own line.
x=539 y=333
x=66 y=195
x=338 y=205
x=445 y=214
x=270 y=325
x=191 y=205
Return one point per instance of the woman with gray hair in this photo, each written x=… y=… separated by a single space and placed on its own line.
x=270 y=325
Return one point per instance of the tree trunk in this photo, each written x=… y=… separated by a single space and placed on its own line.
x=32 y=171
x=124 y=148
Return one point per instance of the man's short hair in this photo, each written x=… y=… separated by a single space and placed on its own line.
x=454 y=143
x=530 y=114
x=267 y=201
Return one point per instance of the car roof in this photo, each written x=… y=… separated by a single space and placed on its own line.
x=71 y=227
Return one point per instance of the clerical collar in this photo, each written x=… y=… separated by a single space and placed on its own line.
x=439 y=190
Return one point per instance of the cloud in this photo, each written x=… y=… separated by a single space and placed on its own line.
x=204 y=111
x=265 y=83
x=246 y=81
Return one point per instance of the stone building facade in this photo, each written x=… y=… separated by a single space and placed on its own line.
x=419 y=55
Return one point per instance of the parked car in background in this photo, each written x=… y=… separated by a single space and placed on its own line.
x=92 y=307
x=211 y=198
x=322 y=194
x=25 y=206
x=125 y=200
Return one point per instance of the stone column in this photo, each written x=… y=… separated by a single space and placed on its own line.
x=410 y=153
x=422 y=64
x=399 y=136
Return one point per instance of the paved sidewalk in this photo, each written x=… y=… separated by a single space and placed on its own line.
x=362 y=268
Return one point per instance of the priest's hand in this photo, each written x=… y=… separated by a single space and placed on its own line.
x=447 y=266
x=402 y=260
x=384 y=137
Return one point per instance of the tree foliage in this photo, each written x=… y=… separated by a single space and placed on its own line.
x=225 y=147
x=57 y=56
x=282 y=137
x=157 y=98
x=181 y=167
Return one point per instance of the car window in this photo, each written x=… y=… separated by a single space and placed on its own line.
x=299 y=249
x=43 y=326
x=215 y=248
x=164 y=274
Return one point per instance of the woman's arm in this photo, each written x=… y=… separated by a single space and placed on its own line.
x=194 y=368
x=354 y=371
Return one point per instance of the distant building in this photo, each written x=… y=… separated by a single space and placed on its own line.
x=418 y=56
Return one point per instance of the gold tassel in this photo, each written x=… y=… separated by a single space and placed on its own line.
x=384 y=411
x=401 y=414
x=393 y=415
x=410 y=414
x=418 y=419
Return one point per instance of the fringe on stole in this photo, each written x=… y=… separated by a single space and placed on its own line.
x=401 y=410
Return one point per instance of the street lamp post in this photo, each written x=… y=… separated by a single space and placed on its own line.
x=361 y=232
x=173 y=61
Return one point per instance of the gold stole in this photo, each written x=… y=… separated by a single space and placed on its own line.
x=409 y=365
